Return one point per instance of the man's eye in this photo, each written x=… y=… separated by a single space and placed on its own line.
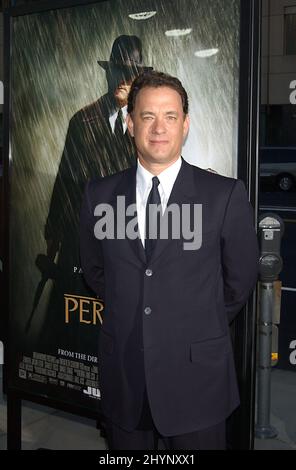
x=147 y=118
x=172 y=118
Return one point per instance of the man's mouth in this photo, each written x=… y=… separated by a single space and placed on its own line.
x=122 y=87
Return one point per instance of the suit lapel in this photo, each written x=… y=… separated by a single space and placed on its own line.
x=127 y=188
x=183 y=192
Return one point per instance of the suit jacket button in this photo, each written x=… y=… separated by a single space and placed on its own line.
x=147 y=310
x=148 y=272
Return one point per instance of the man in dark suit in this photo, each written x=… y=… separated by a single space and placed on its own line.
x=165 y=354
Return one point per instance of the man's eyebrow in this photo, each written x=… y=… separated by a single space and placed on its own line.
x=143 y=113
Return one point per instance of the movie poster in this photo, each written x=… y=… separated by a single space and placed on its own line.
x=71 y=69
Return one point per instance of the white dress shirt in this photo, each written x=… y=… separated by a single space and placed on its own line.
x=166 y=178
x=113 y=118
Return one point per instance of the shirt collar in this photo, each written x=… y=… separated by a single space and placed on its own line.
x=166 y=178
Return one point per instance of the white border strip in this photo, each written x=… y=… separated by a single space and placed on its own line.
x=277 y=208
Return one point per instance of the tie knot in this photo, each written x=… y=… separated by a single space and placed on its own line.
x=155 y=182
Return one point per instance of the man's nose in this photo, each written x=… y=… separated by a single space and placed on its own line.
x=124 y=80
x=158 y=126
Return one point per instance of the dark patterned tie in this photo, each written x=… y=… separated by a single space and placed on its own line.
x=118 y=129
x=151 y=218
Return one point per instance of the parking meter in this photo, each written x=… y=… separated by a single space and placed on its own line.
x=271 y=229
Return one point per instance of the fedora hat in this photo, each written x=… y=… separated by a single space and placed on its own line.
x=126 y=53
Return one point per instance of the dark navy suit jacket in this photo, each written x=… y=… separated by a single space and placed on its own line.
x=180 y=345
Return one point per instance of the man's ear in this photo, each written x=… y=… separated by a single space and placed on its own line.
x=130 y=124
x=186 y=126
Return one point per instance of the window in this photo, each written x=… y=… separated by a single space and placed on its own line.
x=290 y=30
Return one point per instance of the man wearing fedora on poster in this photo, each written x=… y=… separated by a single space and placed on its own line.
x=97 y=144
x=97 y=141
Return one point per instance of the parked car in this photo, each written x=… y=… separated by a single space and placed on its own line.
x=278 y=167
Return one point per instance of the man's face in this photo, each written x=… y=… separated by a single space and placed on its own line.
x=119 y=83
x=122 y=91
x=158 y=125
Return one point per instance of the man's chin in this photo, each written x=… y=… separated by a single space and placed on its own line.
x=121 y=95
x=160 y=155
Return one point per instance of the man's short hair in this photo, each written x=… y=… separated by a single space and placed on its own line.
x=156 y=79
